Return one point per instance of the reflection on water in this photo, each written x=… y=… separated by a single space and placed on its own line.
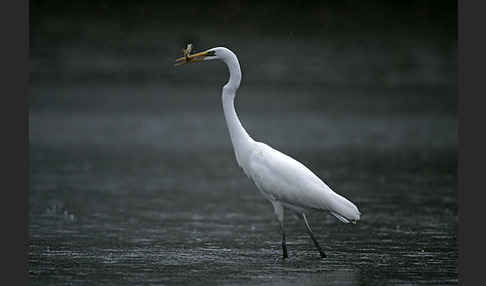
x=127 y=190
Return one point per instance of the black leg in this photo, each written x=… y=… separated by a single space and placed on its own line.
x=284 y=244
x=279 y=212
x=311 y=234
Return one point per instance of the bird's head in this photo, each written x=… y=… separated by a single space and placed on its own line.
x=211 y=54
x=218 y=53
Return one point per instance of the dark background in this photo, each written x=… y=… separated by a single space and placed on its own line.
x=337 y=42
x=132 y=177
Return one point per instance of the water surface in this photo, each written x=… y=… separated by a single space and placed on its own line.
x=137 y=184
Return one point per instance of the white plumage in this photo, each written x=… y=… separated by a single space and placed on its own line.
x=284 y=181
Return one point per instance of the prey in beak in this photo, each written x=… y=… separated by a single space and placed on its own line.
x=188 y=58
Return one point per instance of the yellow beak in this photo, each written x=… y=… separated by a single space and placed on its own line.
x=191 y=58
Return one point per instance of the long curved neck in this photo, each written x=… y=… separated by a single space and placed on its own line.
x=239 y=137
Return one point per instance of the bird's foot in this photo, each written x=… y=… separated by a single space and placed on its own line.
x=323 y=255
x=281 y=259
x=284 y=249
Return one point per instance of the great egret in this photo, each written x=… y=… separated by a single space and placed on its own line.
x=284 y=181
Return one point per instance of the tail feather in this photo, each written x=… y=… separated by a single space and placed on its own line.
x=340 y=217
x=344 y=210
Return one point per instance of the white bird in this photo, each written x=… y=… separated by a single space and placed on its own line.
x=284 y=181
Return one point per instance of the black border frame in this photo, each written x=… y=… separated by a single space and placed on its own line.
x=15 y=77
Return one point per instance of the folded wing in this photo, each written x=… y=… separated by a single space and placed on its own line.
x=282 y=178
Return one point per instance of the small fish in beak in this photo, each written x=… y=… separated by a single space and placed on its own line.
x=185 y=54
